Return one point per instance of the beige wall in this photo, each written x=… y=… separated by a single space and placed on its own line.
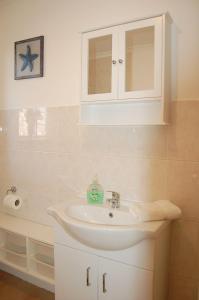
x=61 y=22
x=50 y=158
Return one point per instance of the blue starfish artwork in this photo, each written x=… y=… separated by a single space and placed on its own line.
x=28 y=59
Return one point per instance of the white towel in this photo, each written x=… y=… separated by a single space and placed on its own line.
x=154 y=211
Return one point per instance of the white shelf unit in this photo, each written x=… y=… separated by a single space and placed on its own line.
x=27 y=250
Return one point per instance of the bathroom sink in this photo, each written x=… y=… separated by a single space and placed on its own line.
x=101 y=215
x=102 y=227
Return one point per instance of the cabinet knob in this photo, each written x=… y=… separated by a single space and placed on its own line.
x=121 y=61
x=114 y=62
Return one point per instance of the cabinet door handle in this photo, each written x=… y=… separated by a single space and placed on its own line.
x=88 y=276
x=121 y=61
x=114 y=62
x=104 y=283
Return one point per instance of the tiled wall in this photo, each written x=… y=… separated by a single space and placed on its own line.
x=50 y=159
x=183 y=189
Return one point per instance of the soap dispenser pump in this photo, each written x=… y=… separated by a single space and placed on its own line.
x=95 y=193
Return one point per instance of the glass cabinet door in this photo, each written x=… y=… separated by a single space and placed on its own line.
x=139 y=57
x=140 y=61
x=99 y=65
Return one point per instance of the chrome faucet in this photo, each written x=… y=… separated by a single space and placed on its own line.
x=115 y=200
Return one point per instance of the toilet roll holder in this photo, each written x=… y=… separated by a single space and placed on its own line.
x=12 y=189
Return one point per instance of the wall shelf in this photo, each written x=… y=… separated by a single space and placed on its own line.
x=27 y=247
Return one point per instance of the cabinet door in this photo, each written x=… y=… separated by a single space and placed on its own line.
x=76 y=274
x=99 y=64
x=122 y=282
x=140 y=59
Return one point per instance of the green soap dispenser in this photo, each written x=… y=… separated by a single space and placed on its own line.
x=95 y=193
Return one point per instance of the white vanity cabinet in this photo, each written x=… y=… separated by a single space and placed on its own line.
x=82 y=276
x=136 y=273
x=125 y=73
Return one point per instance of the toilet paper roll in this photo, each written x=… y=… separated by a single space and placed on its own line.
x=12 y=201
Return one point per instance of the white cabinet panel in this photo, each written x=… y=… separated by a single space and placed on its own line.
x=75 y=275
x=122 y=282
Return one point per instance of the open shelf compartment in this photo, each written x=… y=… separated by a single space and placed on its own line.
x=41 y=270
x=41 y=252
x=17 y=261
x=12 y=242
x=13 y=249
x=41 y=259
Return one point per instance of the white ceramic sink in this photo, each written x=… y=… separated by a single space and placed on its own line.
x=101 y=227
x=101 y=215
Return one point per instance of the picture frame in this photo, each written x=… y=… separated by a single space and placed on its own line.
x=29 y=58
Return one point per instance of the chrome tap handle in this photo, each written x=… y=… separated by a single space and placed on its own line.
x=115 y=195
x=12 y=189
x=115 y=200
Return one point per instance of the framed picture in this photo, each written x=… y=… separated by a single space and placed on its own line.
x=29 y=56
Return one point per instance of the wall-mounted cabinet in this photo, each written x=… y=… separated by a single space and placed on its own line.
x=125 y=73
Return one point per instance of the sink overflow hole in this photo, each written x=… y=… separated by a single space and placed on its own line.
x=110 y=215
